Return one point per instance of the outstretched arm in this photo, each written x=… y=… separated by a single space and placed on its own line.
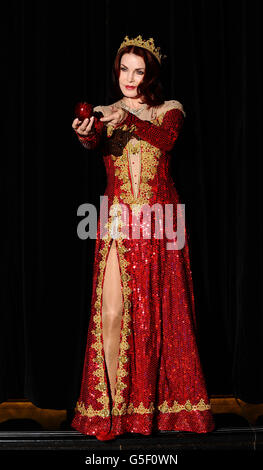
x=163 y=136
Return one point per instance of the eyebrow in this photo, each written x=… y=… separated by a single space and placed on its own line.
x=141 y=68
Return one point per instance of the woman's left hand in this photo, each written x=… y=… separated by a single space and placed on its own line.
x=116 y=117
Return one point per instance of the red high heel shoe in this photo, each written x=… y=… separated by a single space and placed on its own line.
x=106 y=436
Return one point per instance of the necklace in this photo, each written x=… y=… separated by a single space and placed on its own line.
x=132 y=110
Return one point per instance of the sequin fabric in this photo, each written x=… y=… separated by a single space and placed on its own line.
x=160 y=383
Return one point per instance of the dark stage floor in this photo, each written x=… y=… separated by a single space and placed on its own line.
x=23 y=441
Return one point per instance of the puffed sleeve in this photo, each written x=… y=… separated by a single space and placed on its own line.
x=93 y=140
x=161 y=136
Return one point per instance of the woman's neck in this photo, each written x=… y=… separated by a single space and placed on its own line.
x=133 y=103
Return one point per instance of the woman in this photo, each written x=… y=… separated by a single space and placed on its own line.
x=142 y=371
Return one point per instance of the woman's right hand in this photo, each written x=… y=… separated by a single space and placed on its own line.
x=83 y=128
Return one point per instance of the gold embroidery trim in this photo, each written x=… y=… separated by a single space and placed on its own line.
x=141 y=409
x=133 y=149
x=149 y=162
x=97 y=345
x=97 y=332
x=176 y=408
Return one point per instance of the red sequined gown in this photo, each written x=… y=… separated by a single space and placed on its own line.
x=160 y=383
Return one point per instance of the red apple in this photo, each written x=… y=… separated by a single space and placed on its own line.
x=83 y=110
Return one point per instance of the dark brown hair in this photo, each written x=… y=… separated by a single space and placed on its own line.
x=150 y=87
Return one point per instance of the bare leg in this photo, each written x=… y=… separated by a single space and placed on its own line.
x=112 y=305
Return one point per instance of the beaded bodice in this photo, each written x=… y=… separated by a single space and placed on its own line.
x=136 y=152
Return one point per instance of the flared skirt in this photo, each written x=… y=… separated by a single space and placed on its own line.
x=160 y=383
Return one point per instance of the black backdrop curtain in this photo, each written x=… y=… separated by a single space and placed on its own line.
x=57 y=53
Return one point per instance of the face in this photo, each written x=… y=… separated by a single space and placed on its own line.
x=132 y=71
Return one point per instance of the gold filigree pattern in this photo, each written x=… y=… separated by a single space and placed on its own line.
x=149 y=164
x=148 y=167
x=134 y=147
x=141 y=409
x=176 y=407
x=97 y=345
x=97 y=332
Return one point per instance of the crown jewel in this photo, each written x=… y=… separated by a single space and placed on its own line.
x=146 y=44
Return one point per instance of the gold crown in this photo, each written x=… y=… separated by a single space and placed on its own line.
x=149 y=45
